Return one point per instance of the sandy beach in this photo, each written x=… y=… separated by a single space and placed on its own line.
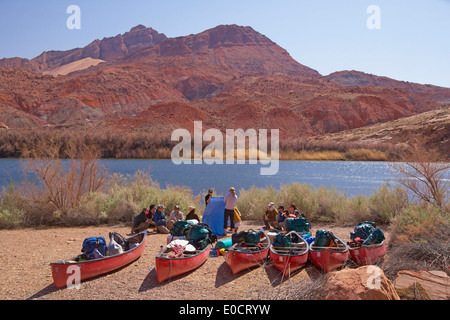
x=25 y=271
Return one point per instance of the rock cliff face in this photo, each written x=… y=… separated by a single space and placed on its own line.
x=228 y=77
x=107 y=49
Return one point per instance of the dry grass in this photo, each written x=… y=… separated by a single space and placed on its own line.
x=422 y=240
x=141 y=145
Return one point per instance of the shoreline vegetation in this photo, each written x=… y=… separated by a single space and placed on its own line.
x=142 y=145
x=81 y=193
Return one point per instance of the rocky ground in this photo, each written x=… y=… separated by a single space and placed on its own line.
x=25 y=271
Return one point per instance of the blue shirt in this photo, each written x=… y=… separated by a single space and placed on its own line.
x=282 y=217
x=159 y=218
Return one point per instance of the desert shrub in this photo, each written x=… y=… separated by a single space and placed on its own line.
x=12 y=208
x=253 y=202
x=420 y=241
x=366 y=155
x=303 y=196
x=386 y=203
x=331 y=204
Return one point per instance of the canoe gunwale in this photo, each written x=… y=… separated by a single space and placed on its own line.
x=70 y=261
x=236 y=248
x=190 y=256
x=372 y=246
x=301 y=245
x=341 y=247
x=175 y=263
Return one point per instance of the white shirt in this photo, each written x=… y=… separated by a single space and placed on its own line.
x=230 y=201
x=174 y=216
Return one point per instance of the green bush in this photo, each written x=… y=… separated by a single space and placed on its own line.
x=123 y=197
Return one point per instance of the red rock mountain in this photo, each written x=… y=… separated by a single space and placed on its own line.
x=228 y=77
x=106 y=49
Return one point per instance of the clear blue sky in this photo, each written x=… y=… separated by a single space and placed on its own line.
x=413 y=43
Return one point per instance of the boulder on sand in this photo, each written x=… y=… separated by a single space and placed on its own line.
x=364 y=283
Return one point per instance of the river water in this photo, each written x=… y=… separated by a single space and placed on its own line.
x=352 y=178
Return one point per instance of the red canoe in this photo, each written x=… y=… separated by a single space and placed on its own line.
x=67 y=272
x=329 y=258
x=240 y=257
x=366 y=255
x=169 y=267
x=289 y=259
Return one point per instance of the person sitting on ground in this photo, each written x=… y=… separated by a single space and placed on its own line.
x=192 y=215
x=293 y=211
x=270 y=217
x=150 y=213
x=141 y=222
x=176 y=215
x=281 y=217
x=162 y=225
x=208 y=196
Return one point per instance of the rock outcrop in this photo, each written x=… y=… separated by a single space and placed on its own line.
x=364 y=283
x=411 y=285
x=106 y=49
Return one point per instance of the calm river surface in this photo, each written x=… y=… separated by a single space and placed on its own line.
x=352 y=178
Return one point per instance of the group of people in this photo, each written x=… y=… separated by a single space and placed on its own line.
x=155 y=217
x=276 y=218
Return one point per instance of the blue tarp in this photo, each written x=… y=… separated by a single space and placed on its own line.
x=213 y=215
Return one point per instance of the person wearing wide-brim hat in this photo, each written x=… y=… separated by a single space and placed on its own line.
x=192 y=215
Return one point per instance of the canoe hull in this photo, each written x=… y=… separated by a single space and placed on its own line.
x=64 y=274
x=366 y=255
x=328 y=260
x=288 y=263
x=168 y=268
x=239 y=261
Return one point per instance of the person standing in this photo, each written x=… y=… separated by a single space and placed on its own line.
x=230 y=203
x=208 y=196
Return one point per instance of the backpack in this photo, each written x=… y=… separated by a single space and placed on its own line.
x=113 y=247
x=249 y=237
x=323 y=238
x=200 y=236
x=180 y=228
x=363 y=230
x=281 y=240
x=94 y=247
x=252 y=237
x=297 y=224
x=238 y=237
x=376 y=237
x=121 y=240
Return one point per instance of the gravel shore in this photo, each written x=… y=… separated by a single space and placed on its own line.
x=25 y=271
